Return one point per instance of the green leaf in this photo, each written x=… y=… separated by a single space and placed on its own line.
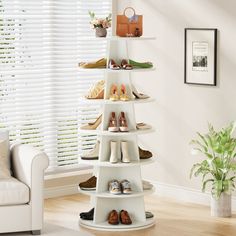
x=91 y=14
x=193 y=168
x=217 y=188
x=205 y=183
x=202 y=138
x=196 y=142
x=208 y=155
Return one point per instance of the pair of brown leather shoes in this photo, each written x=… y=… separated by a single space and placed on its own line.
x=114 y=218
x=113 y=123
x=124 y=65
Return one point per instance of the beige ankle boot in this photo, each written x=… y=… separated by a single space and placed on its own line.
x=113 y=156
x=125 y=153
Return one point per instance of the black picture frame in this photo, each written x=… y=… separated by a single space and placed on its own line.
x=213 y=71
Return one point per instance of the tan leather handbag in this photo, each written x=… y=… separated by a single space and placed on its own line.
x=129 y=27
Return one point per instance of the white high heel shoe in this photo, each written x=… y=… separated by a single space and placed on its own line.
x=137 y=94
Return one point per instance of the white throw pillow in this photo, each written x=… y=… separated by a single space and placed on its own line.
x=4 y=160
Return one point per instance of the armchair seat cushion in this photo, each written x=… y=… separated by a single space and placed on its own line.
x=13 y=192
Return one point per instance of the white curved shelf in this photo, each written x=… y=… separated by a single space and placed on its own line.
x=108 y=133
x=107 y=101
x=107 y=70
x=119 y=164
x=109 y=195
x=105 y=226
x=117 y=38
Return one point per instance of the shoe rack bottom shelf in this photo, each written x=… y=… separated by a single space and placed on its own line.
x=105 y=226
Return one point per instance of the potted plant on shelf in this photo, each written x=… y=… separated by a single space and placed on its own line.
x=218 y=167
x=100 y=24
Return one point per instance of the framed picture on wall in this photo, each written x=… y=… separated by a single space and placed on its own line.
x=200 y=56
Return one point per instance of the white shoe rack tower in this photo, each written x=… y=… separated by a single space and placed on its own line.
x=101 y=199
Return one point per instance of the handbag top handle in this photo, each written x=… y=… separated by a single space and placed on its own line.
x=124 y=13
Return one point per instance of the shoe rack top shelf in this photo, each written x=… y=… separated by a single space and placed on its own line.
x=117 y=38
x=107 y=101
x=107 y=70
x=117 y=165
x=109 y=195
x=105 y=226
x=108 y=133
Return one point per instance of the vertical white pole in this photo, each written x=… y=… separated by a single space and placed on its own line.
x=114 y=13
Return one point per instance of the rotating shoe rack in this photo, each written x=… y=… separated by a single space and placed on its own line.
x=101 y=199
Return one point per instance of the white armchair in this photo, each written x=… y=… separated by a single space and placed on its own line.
x=21 y=197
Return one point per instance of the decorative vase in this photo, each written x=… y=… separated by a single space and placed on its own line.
x=101 y=32
x=221 y=207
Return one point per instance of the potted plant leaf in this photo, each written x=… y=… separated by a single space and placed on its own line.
x=218 y=168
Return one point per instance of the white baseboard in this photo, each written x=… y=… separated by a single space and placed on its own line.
x=184 y=194
x=178 y=193
x=60 y=191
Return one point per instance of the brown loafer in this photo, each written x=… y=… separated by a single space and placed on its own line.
x=90 y=184
x=125 y=218
x=144 y=154
x=113 y=218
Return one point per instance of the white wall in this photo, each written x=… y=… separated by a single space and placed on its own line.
x=182 y=109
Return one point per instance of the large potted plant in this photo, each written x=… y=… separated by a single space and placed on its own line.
x=218 y=168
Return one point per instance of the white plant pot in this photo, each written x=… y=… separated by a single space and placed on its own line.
x=221 y=207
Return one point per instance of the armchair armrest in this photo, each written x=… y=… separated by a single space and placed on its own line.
x=28 y=162
x=28 y=165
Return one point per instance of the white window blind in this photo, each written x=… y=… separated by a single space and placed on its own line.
x=41 y=43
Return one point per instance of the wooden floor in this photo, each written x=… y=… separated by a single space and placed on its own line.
x=177 y=219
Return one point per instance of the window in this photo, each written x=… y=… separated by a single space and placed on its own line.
x=41 y=43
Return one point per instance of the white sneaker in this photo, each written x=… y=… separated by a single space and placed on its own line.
x=92 y=154
x=143 y=126
x=114 y=187
x=126 y=186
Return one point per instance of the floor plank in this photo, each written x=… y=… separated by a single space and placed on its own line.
x=177 y=219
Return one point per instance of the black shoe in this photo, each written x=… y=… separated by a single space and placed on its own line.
x=89 y=212
x=149 y=214
x=87 y=215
